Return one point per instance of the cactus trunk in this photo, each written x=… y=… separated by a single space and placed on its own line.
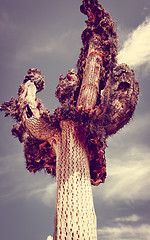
x=75 y=215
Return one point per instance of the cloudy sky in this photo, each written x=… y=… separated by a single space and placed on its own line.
x=46 y=35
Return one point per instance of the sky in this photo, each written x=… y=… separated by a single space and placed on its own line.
x=47 y=35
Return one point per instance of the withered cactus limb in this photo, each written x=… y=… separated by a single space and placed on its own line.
x=70 y=143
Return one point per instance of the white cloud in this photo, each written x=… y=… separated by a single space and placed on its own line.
x=46 y=194
x=132 y=218
x=128 y=177
x=54 y=45
x=125 y=232
x=136 y=49
x=128 y=164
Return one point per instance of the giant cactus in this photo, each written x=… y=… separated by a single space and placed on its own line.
x=96 y=102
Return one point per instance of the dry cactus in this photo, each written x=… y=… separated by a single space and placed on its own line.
x=96 y=101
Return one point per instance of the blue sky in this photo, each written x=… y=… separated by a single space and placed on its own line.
x=46 y=35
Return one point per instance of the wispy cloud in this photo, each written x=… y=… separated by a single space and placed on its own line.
x=54 y=45
x=7 y=27
x=18 y=183
x=140 y=122
x=132 y=218
x=64 y=45
x=136 y=49
x=128 y=176
x=125 y=232
x=127 y=165
x=46 y=194
x=134 y=135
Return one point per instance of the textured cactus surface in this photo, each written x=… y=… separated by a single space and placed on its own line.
x=96 y=101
